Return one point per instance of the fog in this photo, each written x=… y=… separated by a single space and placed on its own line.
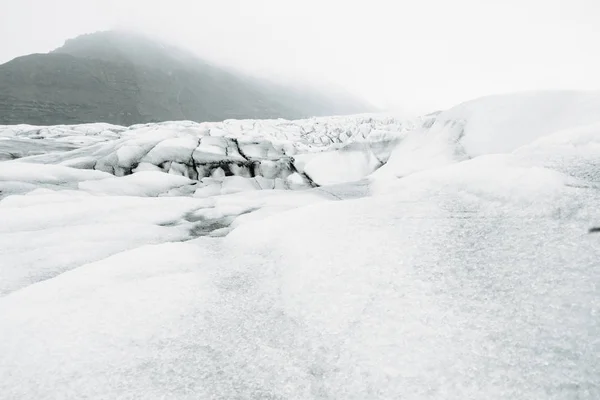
x=413 y=56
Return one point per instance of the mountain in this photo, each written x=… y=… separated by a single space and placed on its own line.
x=126 y=78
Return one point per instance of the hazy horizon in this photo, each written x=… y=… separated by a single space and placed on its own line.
x=403 y=56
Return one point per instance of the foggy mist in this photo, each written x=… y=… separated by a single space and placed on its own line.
x=412 y=56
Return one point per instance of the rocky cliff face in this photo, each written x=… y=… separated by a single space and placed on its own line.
x=125 y=79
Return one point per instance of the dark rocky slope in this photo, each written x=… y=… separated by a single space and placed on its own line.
x=125 y=78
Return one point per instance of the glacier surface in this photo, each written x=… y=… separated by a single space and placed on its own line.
x=451 y=256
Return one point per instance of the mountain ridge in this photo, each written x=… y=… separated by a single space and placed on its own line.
x=126 y=78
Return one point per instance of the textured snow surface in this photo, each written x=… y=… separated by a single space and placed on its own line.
x=364 y=257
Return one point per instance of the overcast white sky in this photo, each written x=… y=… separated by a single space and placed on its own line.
x=414 y=55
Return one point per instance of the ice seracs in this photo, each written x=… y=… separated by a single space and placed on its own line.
x=267 y=149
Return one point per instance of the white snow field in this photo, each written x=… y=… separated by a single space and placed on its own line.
x=363 y=257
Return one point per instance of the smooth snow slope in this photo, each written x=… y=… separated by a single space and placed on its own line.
x=461 y=268
x=499 y=124
x=494 y=124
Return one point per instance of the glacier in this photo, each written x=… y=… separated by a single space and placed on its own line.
x=448 y=256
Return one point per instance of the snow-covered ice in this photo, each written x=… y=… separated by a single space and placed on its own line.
x=362 y=257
